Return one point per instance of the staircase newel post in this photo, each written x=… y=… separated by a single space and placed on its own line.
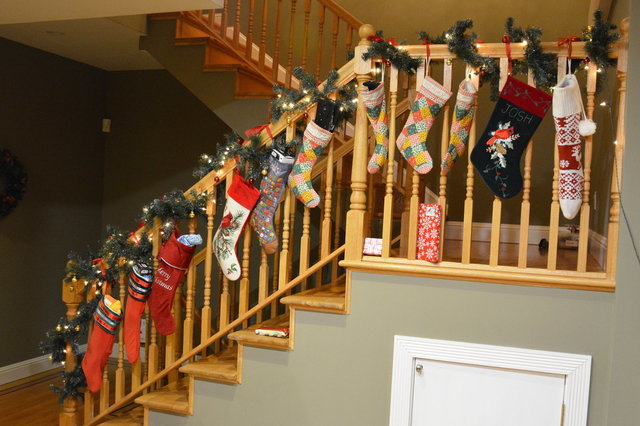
x=72 y=296
x=358 y=202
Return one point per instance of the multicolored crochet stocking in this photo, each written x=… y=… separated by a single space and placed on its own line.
x=462 y=119
x=412 y=141
x=374 y=101
x=271 y=190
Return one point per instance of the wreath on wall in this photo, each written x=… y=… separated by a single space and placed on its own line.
x=13 y=182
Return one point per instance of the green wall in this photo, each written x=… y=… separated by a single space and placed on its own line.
x=158 y=131
x=50 y=118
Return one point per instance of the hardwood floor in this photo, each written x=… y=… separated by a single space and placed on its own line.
x=31 y=403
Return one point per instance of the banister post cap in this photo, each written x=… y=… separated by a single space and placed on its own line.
x=365 y=31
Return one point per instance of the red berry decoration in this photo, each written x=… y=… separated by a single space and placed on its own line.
x=387 y=63
x=587 y=60
x=251 y=180
x=216 y=179
x=306 y=115
x=506 y=39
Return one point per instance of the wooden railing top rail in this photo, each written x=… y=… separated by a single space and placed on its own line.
x=342 y=13
x=127 y=399
x=498 y=50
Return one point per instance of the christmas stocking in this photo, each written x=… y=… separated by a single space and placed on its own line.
x=373 y=98
x=242 y=196
x=316 y=136
x=106 y=317
x=140 y=280
x=271 y=190
x=567 y=111
x=515 y=118
x=462 y=119
x=174 y=257
x=412 y=141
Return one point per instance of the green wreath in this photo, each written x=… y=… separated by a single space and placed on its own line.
x=13 y=182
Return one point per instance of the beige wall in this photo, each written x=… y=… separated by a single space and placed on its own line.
x=50 y=118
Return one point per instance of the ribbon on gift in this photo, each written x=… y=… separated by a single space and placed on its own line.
x=568 y=41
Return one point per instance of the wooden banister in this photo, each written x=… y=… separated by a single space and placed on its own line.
x=217 y=336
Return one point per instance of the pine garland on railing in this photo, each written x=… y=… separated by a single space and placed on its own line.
x=599 y=39
x=295 y=100
x=542 y=65
x=388 y=51
x=252 y=157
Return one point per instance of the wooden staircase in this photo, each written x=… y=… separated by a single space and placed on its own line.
x=227 y=35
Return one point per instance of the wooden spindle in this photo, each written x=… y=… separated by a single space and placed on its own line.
x=525 y=206
x=153 y=346
x=263 y=282
x=467 y=227
x=554 y=218
x=284 y=253
x=292 y=239
x=348 y=38
x=263 y=35
x=327 y=200
x=120 y=377
x=292 y=33
x=444 y=146
x=496 y=215
x=205 y=312
x=616 y=175
x=244 y=288
x=321 y=12
x=276 y=256
x=276 y=53
x=225 y=303
x=405 y=178
x=338 y=209
x=236 y=25
x=358 y=201
x=224 y=19
x=305 y=244
x=585 y=208
x=305 y=39
x=104 y=390
x=387 y=214
x=73 y=294
x=249 y=47
x=335 y=29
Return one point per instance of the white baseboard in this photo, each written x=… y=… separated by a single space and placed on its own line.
x=20 y=370
x=23 y=369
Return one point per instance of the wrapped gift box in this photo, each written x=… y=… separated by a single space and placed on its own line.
x=372 y=246
x=428 y=243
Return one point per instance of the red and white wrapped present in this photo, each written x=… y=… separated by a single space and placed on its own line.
x=273 y=331
x=372 y=246
x=428 y=244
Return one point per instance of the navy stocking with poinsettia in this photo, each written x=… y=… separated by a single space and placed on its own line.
x=514 y=120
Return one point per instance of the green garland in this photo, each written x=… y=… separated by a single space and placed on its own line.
x=542 y=65
x=391 y=54
x=599 y=39
x=252 y=157
x=294 y=100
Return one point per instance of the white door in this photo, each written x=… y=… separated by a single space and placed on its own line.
x=453 y=394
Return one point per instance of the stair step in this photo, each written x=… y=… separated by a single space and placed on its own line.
x=172 y=400
x=132 y=416
x=327 y=298
x=222 y=367
x=249 y=337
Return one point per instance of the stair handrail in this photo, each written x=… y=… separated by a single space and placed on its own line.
x=218 y=335
x=343 y=13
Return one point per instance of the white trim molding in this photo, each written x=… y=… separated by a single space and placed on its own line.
x=576 y=369
x=20 y=370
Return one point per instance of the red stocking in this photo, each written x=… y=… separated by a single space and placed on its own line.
x=174 y=260
x=140 y=281
x=106 y=317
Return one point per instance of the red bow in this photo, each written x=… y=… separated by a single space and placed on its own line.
x=376 y=38
x=507 y=40
x=568 y=40
x=257 y=129
x=392 y=41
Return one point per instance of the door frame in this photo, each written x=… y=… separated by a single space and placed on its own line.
x=576 y=368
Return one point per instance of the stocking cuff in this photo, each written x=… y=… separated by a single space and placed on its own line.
x=373 y=97
x=566 y=97
x=105 y=317
x=243 y=193
x=139 y=289
x=466 y=90
x=526 y=97
x=316 y=134
x=435 y=91
x=176 y=254
x=281 y=157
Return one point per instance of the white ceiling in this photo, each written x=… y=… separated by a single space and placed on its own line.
x=102 y=33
